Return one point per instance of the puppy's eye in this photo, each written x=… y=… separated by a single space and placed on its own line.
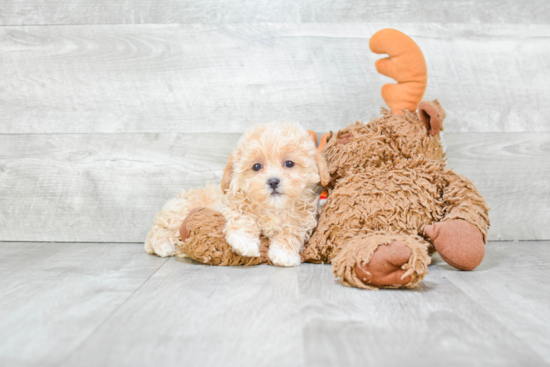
x=289 y=164
x=257 y=167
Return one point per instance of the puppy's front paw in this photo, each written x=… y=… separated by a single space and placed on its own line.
x=280 y=256
x=244 y=245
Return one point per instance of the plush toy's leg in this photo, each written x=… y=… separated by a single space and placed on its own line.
x=382 y=261
x=203 y=240
x=461 y=235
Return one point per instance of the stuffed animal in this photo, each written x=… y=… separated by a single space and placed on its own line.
x=391 y=200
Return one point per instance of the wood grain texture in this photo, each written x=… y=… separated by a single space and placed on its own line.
x=520 y=299
x=76 y=304
x=196 y=315
x=201 y=78
x=512 y=171
x=438 y=324
x=54 y=296
x=36 y=12
x=108 y=187
x=93 y=188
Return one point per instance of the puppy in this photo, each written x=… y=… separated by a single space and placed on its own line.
x=269 y=187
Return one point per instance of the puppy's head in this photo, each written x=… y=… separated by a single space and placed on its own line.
x=274 y=164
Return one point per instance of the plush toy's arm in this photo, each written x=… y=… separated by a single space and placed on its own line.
x=203 y=239
x=463 y=201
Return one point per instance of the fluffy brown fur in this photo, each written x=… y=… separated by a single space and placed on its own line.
x=388 y=140
x=392 y=201
x=389 y=177
x=269 y=188
x=389 y=181
x=363 y=248
x=207 y=243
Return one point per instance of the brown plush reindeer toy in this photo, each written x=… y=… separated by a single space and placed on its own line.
x=392 y=202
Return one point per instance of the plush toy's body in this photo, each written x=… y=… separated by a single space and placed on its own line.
x=392 y=202
x=390 y=184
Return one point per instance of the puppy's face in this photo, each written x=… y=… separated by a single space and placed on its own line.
x=274 y=164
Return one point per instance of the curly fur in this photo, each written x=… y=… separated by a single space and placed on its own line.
x=207 y=242
x=389 y=177
x=285 y=214
x=164 y=235
x=403 y=198
x=362 y=248
x=385 y=141
x=388 y=184
x=389 y=181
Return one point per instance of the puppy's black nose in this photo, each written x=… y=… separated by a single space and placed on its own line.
x=273 y=182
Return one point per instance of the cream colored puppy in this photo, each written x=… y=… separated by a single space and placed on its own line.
x=269 y=188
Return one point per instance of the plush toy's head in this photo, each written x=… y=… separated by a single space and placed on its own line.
x=400 y=134
x=386 y=140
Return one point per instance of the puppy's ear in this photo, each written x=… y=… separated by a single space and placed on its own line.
x=323 y=169
x=228 y=172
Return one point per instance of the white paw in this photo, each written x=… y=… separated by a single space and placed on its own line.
x=164 y=247
x=148 y=247
x=282 y=257
x=244 y=245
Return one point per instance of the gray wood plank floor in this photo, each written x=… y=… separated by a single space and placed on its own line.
x=66 y=304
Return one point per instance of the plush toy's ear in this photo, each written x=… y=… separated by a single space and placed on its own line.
x=228 y=172
x=432 y=115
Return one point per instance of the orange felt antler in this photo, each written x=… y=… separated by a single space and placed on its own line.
x=405 y=64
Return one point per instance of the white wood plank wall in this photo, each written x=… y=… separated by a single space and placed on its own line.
x=36 y=12
x=224 y=78
x=110 y=108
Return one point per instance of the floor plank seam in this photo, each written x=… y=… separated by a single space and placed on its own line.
x=109 y=316
x=504 y=325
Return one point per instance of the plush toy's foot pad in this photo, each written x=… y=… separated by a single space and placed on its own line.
x=203 y=240
x=382 y=261
x=385 y=266
x=458 y=242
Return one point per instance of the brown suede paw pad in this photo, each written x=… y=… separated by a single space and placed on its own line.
x=385 y=267
x=184 y=232
x=458 y=242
